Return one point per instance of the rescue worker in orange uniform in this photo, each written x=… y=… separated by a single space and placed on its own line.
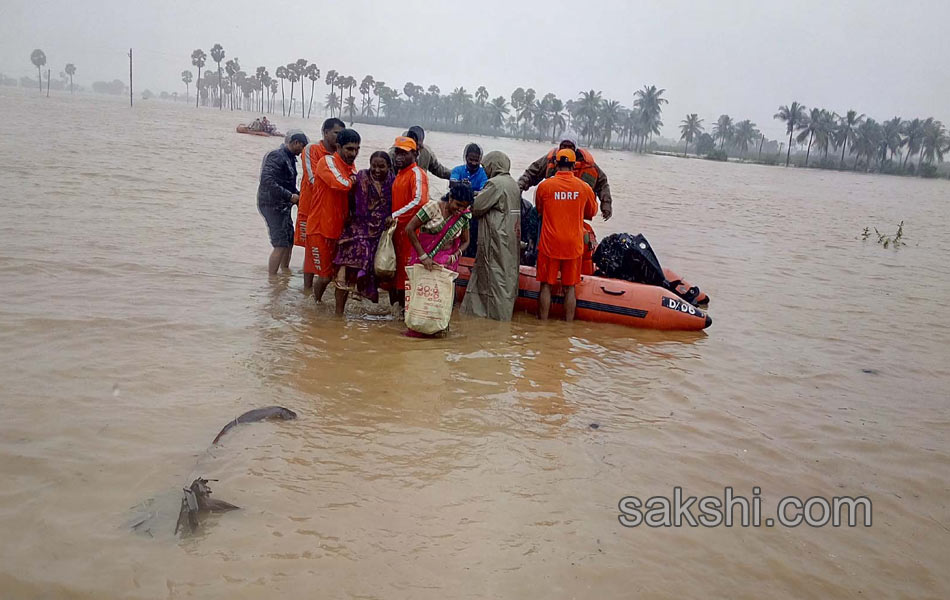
x=410 y=193
x=584 y=168
x=563 y=201
x=311 y=157
x=334 y=177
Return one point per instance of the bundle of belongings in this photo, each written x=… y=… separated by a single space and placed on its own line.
x=631 y=258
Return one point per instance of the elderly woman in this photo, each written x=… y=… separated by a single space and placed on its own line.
x=439 y=231
x=370 y=204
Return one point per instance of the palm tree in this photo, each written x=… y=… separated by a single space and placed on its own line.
x=517 y=99
x=611 y=113
x=186 y=77
x=892 y=138
x=588 y=105
x=293 y=76
x=332 y=76
x=198 y=59
x=481 y=95
x=332 y=100
x=913 y=134
x=231 y=67
x=649 y=101
x=217 y=55
x=460 y=100
x=723 y=130
x=934 y=142
x=744 y=134
x=867 y=139
x=312 y=72
x=301 y=66
x=690 y=127
x=846 y=133
x=273 y=92
x=379 y=88
x=262 y=78
x=825 y=131
x=351 y=107
x=366 y=87
x=71 y=70
x=557 y=117
x=282 y=74
x=811 y=125
x=38 y=58
x=793 y=116
x=497 y=111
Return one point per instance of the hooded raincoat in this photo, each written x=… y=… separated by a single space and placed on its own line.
x=493 y=286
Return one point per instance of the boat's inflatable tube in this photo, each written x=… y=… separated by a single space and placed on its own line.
x=606 y=300
x=244 y=129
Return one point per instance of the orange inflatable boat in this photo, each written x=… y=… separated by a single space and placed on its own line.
x=244 y=129
x=606 y=301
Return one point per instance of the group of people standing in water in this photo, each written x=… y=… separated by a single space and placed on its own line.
x=343 y=212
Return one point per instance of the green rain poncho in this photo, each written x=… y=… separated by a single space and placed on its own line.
x=493 y=286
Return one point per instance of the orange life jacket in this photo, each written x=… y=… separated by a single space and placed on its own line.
x=585 y=168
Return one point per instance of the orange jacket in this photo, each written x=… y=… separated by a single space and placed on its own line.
x=310 y=157
x=331 y=196
x=585 y=168
x=410 y=193
x=564 y=201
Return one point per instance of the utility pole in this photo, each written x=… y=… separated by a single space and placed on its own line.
x=130 y=78
x=47 y=82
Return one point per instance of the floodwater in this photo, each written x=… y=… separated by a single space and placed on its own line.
x=137 y=319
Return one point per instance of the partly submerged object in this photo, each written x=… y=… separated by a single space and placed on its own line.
x=247 y=130
x=606 y=300
x=258 y=414
x=196 y=503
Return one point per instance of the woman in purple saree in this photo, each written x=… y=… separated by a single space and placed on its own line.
x=370 y=204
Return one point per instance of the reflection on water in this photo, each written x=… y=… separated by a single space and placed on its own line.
x=138 y=319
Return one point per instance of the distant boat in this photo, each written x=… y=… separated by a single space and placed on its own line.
x=244 y=129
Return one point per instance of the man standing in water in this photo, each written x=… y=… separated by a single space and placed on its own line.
x=585 y=169
x=334 y=177
x=312 y=155
x=410 y=193
x=563 y=201
x=276 y=194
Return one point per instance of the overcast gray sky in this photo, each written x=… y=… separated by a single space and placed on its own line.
x=739 y=57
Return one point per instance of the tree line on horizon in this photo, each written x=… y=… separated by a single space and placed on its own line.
x=885 y=147
x=523 y=114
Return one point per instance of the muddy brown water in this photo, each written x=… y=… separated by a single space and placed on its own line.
x=137 y=319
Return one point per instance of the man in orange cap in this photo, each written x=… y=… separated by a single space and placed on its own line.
x=311 y=157
x=410 y=193
x=563 y=201
x=334 y=178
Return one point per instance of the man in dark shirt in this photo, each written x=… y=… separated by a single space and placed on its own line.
x=277 y=194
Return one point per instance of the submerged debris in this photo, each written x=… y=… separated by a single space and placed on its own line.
x=196 y=503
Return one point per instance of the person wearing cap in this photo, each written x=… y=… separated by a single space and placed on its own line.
x=310 y=158
x=563 y=201
x=425 y=158
x=276 y=194
x=334 y=177
x=410 y=193
x=585 y=169
x=493 y=285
